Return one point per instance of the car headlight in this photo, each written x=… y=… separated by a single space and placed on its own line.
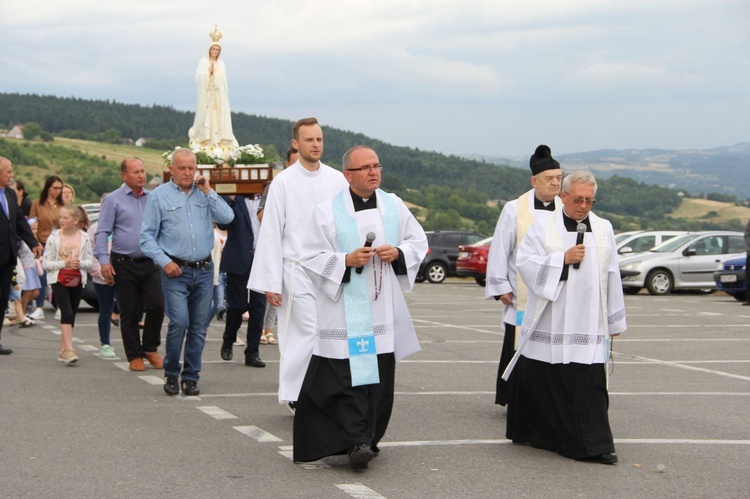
x=631 y=266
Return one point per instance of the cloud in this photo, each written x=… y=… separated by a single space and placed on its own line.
x=486 y=70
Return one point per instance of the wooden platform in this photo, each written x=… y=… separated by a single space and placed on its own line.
x=239 y=179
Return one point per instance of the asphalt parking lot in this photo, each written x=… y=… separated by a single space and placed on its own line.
x=679 y=407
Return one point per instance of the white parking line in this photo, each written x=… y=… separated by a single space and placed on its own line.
x=681 y=441
x=689 y=368
x=222 y=395
x=216 y=412
x=314 y=465
x=359 y=491
x=257 y=434
x=152 y=380
x=88 y=348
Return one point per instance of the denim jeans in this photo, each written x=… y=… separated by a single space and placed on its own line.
x=105 y=294
x=187 y=303
x=217 y=301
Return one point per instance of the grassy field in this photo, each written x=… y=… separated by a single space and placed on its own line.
x=713 y=211
x=116 y=152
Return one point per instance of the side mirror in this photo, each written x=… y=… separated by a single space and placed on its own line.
x=689 y=252
x=625 y=250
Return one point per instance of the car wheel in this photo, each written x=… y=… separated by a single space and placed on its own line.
x=481 y=281
x=436 y=272
x=659 y=282
x=631 y=290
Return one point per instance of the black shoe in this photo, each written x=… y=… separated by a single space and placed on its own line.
x=292 y=407
x=8 y=351
x=608 y=458
x=190 y=388
x=170 y=385
x=359 y=456
x=254 y=362
x=226 y=353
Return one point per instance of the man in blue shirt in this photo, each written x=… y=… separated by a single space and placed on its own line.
x=136 y=278
x=177 y=234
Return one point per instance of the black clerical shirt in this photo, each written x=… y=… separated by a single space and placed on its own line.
x=371 y=203
x=539 y=205
x=571 y=226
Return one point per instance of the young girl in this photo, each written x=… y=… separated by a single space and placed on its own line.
x=67 y=248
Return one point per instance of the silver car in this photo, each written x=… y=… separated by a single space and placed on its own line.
x=643 y=240
x=683 y=262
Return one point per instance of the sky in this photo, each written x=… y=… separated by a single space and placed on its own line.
x=487 y=77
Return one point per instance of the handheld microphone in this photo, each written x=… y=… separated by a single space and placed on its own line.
x=368 y=244
x=581 y=229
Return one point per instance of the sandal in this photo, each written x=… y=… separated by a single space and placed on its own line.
x=26 y=323
x=271 y=339
x=264 y=336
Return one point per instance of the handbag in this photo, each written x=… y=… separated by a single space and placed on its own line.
x=70 y=278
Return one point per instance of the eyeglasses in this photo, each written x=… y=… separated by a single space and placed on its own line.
x=589 y=201
x=366 y=168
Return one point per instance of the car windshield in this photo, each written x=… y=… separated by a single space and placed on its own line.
x=673 y=244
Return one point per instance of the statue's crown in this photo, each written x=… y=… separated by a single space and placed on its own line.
x=215 y=34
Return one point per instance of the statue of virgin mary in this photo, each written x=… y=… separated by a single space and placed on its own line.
x=213 y=120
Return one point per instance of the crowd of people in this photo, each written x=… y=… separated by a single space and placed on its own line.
x=329 y=255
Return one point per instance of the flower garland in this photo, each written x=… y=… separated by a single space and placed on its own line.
x=251 y=154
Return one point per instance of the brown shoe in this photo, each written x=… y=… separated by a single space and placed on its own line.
x=154 y=359
x=137 y=365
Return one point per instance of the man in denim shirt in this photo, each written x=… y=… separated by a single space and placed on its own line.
x=177 y=234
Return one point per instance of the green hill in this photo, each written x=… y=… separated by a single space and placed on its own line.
x=455 y=192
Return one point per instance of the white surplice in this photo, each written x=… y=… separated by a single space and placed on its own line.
x=326 y=264
x=292 y=197
x=569 y=321
x=502 y=273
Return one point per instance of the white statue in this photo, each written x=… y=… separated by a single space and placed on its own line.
x=213 y=121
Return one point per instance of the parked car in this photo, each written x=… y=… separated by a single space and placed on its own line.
x=442 y=253
x=472 y=260
x=643 y=240
x=730 y=277
x=683 y=262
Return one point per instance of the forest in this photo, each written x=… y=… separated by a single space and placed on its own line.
x=449 y=192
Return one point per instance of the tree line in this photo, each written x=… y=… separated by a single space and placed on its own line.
x=452 y=192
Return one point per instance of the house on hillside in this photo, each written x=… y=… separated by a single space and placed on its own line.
x=127 y=142
x=16 y=132
x=140 y=142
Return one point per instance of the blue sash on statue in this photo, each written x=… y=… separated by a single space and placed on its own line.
x=363 y=356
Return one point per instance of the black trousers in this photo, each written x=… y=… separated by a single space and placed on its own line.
x=241 y=300
x=68 y=300
x=138 y=290
x=6 y=275
x=502 y=387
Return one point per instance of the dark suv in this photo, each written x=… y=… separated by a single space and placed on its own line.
x=440 y=261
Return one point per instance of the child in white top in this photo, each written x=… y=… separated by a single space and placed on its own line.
x=68 y=248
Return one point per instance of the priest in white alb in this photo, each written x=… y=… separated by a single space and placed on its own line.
x=362 y=250
x=276 y=271
x=502 y=281
x=560 y=400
